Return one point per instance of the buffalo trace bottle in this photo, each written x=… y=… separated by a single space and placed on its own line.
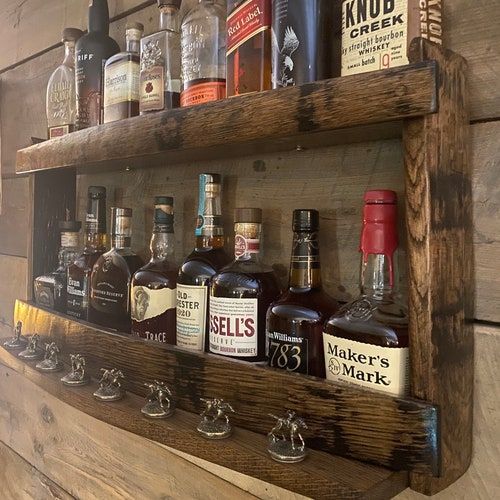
x=61 y=96
x=110 y=280
x=152 y=292
x=248 y=46
x=201 y=264
x=92 y=51
x=295 y=321
x=301 y=38
x=79 y=271
x=366 y=342
x=241 y=293
x=203 y=53
x=121 y=78
x=161 y=62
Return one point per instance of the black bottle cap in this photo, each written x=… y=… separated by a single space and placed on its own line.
x=70 y=226
x=71 y=34
x=305 y=220
x=248 y=215
x=164 y=211
x=97 y=192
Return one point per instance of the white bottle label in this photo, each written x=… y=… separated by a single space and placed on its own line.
x=233 y=326
x=147 y=303
x=121 y=83
x=382 y=368
x=191 y=316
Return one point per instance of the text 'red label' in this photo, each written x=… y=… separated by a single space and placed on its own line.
x=203 y=92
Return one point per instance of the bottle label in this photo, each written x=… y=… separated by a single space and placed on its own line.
x=246 y=21
x=69 y=239
x=191 y=316
x=77 y=297
x=233 y=326
x=121 y=83
x=147 y=303
x=382 y=368
x=203 y=92
x=287 y=352
x=58 y=131
x=244 y=246
x=305 y=253
x=89 y=81
x=152 y=92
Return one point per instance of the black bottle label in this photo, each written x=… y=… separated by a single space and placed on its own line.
x=77 y=298
x=287 y=352
x=305 y=254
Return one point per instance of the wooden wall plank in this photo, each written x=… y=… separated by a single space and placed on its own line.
x=13 y=284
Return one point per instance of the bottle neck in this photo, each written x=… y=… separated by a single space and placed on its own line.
x=169 y=18
x=305 y=269
x=69 y=53
x=207 y=242
x=162 y=244
x=247 y=241
x=120 y=242
x=99 y=16
x=95 y=242
x=133 y=45
x=378 y=273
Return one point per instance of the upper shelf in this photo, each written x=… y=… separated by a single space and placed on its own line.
x=311 y=115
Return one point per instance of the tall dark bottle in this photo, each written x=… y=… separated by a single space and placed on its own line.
x=92 y=51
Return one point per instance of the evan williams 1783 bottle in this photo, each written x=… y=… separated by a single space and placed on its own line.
x=152 y=297
x=366 y=342
x=92 y=51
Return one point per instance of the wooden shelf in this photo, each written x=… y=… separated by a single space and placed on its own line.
x=332 y=111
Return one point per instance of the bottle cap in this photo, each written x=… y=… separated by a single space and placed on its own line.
x=121 y=222
x=305 y=220
x=71 y=34
x=380 y=196
x=70 y=226
x=121 y=212
x=165 y=3
x=212 y=189
x=134 y=26
x=210 y=178
x=97 y=192
x=164 y=212
x=248 y=215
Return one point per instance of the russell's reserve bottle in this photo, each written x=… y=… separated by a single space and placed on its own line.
x=203 y=53
x=201 y=264
x=241 y=293
x=153 y=294
x=61 y=96
x=248 y=46
x=110 y=280
x=79 y=271
x=366 y=342
x=92 y=51
x=295 y=321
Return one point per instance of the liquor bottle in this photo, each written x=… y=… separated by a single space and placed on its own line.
x=248 y=46
x=295 y=321
x=92 y=51
x=153 y=294
x=121 y=78
x=203 y=54
x=241 y=293
x=161 y=62
x=50 y=289
x=79 y=271
x=366 y=342
x=110 y=279
x=61 y=96
x=301 y=38
x=200 y=265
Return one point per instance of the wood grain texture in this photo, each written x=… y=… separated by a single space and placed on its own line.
x=398 y=433
x=13 y=284
x=19 y=480
x=320 y=476
x=440 y=259
x=14 y=217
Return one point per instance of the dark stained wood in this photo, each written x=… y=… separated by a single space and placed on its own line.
x=14 y=217
x=366 y=425
x=236 y=126
x=440 y=256
x=319 y=476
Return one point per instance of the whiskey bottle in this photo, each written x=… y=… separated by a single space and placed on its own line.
x=248 y=46
x=241 y=293
x=79 y=271
x=200 y=265
x=110 y=279
x=92 y=51
x=121 y=78
x=161 y=62
x=61 y=96
x=295 y=321
x=153 y=294
x=203 y=54
x=366 y=342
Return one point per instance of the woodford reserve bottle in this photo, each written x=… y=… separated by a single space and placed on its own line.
x=295 y=321
x=203 y=54
x=121 y=78
x=61 y=95
x=241 y=293
x=202 y=263
x=92 y=51
x=152 y=296
x=248 y=46
x=366 y=342
x=110 y=280
x=161 y=62
x=79 y=271
x=302 y=41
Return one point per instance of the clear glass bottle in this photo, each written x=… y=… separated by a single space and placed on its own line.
x=203 y=51
x=161 y=62
x=366 y=341
x=61 y=95
x=121 y=78
x=153 y=293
